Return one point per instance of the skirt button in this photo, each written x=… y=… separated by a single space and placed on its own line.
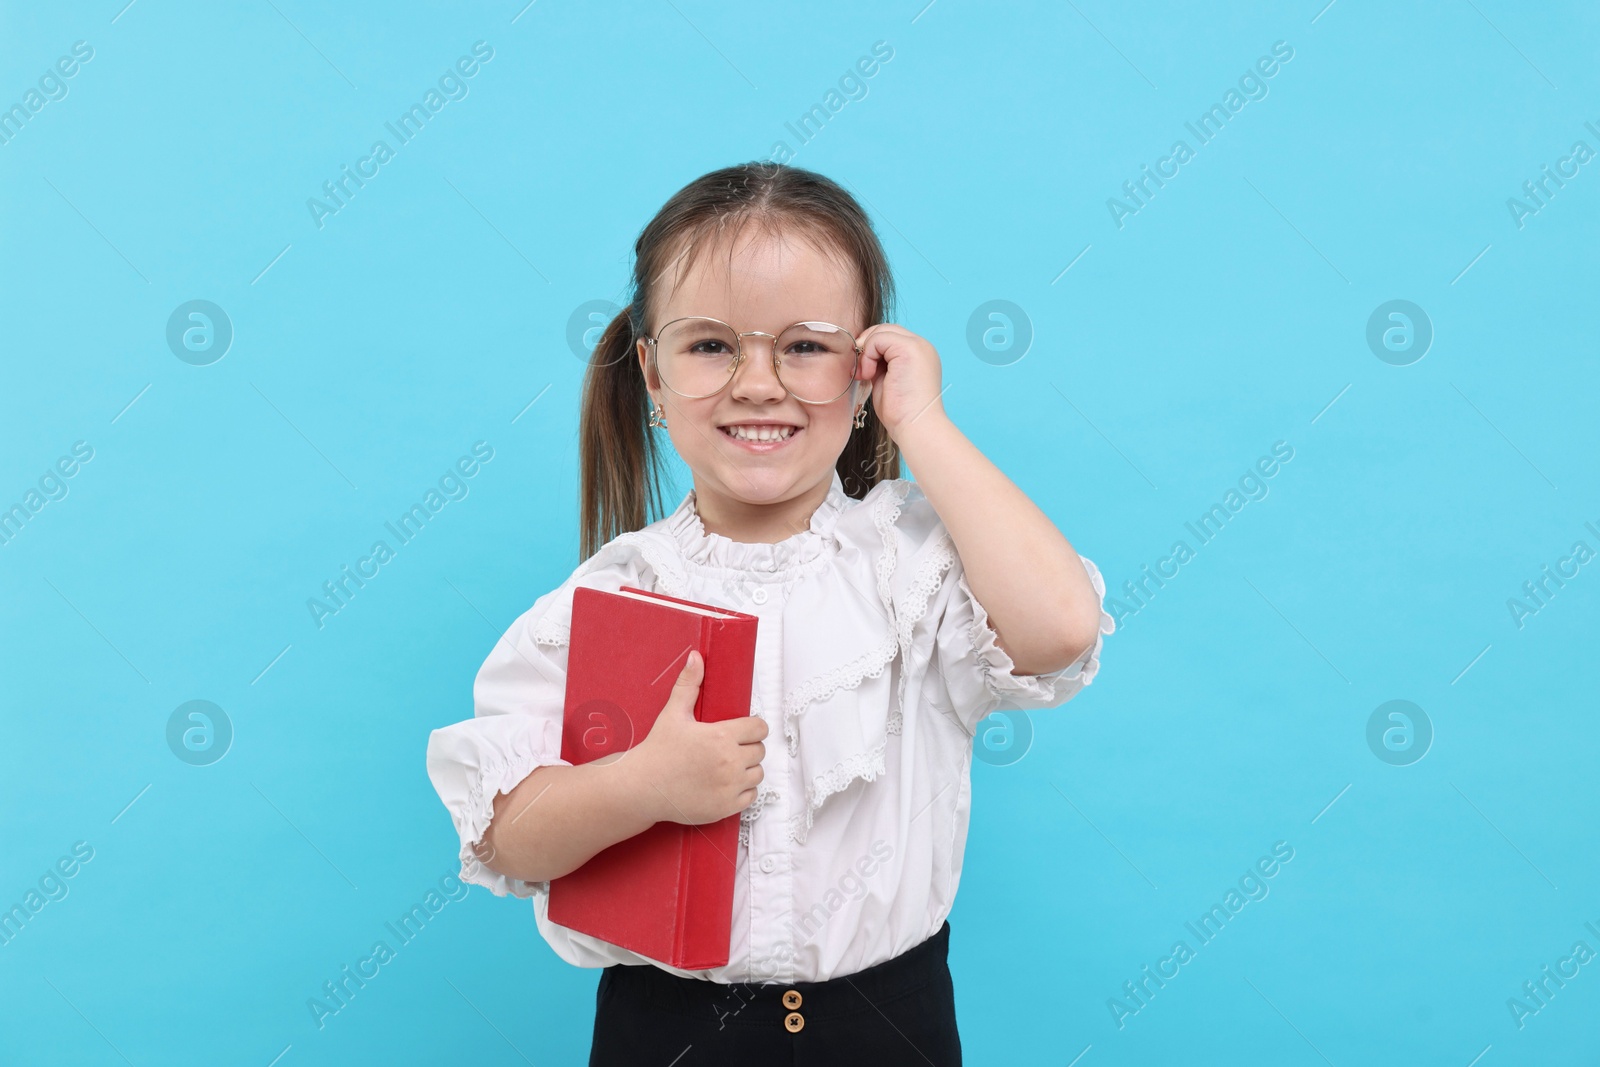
x=793 y=1022
x=791 y=999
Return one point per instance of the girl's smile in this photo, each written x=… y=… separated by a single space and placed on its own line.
x=761 y=437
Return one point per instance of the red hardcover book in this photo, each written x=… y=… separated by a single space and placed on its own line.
x=667 y=893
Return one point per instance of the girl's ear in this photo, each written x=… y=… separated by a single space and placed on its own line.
x=652 y=382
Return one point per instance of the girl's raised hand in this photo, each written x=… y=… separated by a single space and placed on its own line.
x=904 y=371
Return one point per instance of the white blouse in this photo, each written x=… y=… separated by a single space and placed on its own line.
x=874 y=664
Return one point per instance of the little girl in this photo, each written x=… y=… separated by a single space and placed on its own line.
x=893 y=617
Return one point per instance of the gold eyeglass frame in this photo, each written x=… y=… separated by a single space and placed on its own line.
x=739 y=357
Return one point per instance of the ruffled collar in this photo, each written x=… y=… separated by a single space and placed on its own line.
x=712 y=550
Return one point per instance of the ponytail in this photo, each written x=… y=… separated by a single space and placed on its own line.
x=620 y=464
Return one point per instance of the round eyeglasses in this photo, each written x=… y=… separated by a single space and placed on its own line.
x=696 y=357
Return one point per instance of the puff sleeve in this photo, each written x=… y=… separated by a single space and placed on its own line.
x=967 y=673
x=982 y=677
x=517 y=698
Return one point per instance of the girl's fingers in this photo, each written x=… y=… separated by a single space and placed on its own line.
x=876 y=341
x=869 y=367
x=874 y=351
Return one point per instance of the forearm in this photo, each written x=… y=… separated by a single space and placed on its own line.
x=559 y=816
x=1019 y=566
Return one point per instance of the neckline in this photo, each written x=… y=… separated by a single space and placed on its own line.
x=715 y=551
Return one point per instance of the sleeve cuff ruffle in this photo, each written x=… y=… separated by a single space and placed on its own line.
x=1040 y=690
x=473 y=762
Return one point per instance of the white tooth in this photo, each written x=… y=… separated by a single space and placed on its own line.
x=761 y=433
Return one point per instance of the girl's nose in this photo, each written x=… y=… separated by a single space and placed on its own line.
x=756 y=378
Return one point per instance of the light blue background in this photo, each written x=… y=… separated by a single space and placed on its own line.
x=425 y=316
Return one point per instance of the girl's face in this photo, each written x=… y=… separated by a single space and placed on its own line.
x=768 y=283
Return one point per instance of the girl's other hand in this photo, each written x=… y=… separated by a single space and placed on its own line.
x=905 y=375
x=694 y=772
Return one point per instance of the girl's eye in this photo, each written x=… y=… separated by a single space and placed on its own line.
x=710 y=348
x=805 y=348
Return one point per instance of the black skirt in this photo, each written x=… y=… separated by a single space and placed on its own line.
x=901 y=1011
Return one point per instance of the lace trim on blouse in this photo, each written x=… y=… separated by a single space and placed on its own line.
x=923 y=586
x=864 y=765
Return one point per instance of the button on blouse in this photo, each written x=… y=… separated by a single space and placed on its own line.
x=874 y=665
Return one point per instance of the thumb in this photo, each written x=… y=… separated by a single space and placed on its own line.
x=686 y=690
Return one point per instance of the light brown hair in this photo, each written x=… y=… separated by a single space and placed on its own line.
x=620 y=459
